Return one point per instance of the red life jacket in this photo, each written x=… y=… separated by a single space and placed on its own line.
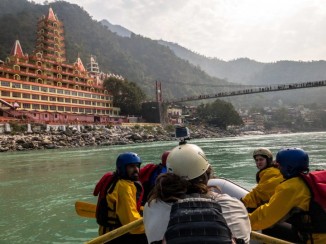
x=316 y=181
x=146 y=172
x=316 y=223
x=102 y=208
x=106 y=185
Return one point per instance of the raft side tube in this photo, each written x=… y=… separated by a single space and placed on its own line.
x=228 y=187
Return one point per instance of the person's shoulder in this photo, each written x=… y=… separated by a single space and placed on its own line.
x=291 y=185
x=224 y=197
x=157 y=205
x=269 y=172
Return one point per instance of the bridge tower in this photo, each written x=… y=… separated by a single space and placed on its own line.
x=158 y=91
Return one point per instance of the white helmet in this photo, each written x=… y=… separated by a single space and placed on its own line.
x=188 y=161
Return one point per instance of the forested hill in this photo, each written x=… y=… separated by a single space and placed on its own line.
x=247 y=71
x=139 y=59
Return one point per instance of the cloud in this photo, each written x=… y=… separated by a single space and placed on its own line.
x=264 y=30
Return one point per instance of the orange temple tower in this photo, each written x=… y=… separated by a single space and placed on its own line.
x=43 y=87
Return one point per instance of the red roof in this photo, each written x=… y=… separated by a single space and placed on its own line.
x=17 y=50
x=51 y=15
x=80 y=64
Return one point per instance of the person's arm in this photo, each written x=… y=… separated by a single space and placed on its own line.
x=286 y=197
x=236 y=216
x=270 y=179
x=156 y=219
x=127 y=207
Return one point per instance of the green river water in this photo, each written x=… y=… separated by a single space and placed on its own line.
x=39 y=188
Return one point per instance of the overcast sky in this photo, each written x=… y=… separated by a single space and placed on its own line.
x=263 y=30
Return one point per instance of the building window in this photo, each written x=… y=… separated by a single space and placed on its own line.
x=44 y=89
x=68 y=100
x=36 y=97
x=44 y=107
x=27 y=87
x=26 y=105
x=44 y=98
x=88 y=95
x=80 y=94
x=67 y=92
x=5 y=83
x=28 y=96
x=61 y=108
x=52 y=90
x=39 y=81
x=16 y=94
x=5 y=93
x=81 y=110
x=53 y=107
x=68 y=109
x=15 y=85
x=74 y=100
x=75 y=110
x=88 y=111
x=35 y=88
x=80 y=101
x=53 y=99
x=36 y=106
x=74 y=93
x=16 y=77
x=60 y=99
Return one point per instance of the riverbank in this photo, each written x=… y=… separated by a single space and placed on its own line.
x=86 y=136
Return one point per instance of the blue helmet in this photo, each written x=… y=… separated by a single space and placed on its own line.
x=123 y=160
x=292 y=161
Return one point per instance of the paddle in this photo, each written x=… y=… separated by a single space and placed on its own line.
x=85 y=209
x=116 y=233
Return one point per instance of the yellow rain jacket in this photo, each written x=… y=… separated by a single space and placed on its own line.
x=123 y=200
x=270 y=178
x=292 y=193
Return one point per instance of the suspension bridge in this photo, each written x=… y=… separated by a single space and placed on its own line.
x=250 y=89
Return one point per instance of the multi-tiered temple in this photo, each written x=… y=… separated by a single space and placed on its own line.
x=43 y=87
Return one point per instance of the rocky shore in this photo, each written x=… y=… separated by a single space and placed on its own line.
x=71 y=137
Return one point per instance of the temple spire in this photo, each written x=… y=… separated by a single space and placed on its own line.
x=80 y=64
x=51 y=15
x=17 y=50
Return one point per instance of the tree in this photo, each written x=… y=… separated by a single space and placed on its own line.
x=219 y=113
x=126 y=95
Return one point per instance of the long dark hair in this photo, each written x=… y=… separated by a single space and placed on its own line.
x=170 y=187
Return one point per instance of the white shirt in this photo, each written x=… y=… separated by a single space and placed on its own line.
x=156 y=219
x=157 y=216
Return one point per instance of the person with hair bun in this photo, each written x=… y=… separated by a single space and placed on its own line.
x=182 y=209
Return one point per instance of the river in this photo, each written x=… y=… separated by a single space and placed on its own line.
x=39 y=188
